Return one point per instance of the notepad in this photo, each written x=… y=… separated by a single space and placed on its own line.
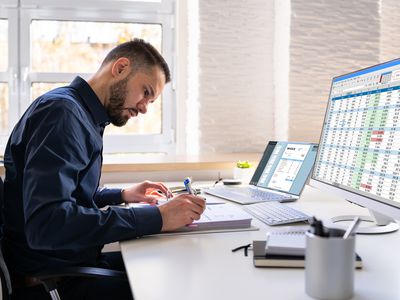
x=220 y=216
x=261 y=259
x=286 y=242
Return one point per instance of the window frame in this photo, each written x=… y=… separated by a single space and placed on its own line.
x=9 y=12
x=100 y=11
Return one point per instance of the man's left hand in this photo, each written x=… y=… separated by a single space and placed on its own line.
x=145 y=191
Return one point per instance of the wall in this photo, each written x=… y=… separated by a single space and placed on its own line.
x=266 y=65
x=390 y=30
x=236 y=89
x=328 y=38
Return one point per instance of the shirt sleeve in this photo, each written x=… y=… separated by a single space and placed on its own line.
x=108 y=196
x=58 y=149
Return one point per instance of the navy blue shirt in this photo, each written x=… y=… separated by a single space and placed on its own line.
x=53 y=159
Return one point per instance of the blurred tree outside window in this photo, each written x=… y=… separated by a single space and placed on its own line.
x=3 y=45
x=3 y=68
x=3 y=108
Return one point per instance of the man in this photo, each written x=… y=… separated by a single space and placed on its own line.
x=53 y=161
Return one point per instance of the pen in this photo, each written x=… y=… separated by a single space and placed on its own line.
x=160 y=193
x=318 y=227
x=353 y=226
x=188 y=185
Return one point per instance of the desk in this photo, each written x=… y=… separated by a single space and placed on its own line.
x=202 y=266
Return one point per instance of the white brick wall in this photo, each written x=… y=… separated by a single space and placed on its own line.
x=236 y=75
x=328 y=38
x=236 y=58
x=390 y=30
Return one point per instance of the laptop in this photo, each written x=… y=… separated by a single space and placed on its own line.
x=280 y=176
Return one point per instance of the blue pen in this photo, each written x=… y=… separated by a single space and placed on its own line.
x=188 y=185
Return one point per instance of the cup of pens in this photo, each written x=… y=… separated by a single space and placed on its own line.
x=330 y=262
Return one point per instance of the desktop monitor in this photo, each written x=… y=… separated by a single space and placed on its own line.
x=359 y=151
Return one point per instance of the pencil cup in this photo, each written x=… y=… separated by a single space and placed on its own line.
x=330 y=263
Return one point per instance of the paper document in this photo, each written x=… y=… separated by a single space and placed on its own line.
x=220 y=216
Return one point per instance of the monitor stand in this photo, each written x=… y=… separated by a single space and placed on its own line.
x=381 y=223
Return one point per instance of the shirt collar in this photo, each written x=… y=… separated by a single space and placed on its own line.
x=91 y=101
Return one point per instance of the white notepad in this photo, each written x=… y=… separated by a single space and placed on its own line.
x=221 y=216
x=286 y=242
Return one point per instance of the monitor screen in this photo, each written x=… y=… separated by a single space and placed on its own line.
x=359 y=150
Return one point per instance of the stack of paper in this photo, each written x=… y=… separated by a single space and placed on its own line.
x=291 y=242
x=221 y=217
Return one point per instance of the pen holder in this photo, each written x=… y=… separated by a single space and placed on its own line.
x=330 y=263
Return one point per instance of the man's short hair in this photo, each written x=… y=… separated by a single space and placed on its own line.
x=142 y=56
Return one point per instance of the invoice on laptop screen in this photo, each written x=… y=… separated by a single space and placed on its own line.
x=288 y=167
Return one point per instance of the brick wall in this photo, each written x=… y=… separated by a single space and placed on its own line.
x=328 y=38
x=390 y=30
x=238 y=98
x=236 y=75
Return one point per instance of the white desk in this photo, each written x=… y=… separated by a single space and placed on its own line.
x=202 y=266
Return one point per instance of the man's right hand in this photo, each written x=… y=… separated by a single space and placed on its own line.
x=180 y=211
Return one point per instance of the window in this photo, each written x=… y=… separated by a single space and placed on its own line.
x=58 y=42
x=53 y=41
x=3 y=69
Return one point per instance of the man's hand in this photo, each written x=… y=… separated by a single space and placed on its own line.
x=181 y=211
x=141 y=192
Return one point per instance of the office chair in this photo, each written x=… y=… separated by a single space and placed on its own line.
x=49 y=278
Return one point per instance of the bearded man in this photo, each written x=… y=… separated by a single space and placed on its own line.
x=53 y=160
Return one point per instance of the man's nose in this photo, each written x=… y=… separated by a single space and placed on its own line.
x=142 y=107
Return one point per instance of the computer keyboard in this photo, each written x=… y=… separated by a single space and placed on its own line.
x=275 y=213
x=265 y=195
x=246 y=195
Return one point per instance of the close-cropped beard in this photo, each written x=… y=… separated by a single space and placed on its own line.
x=115 y=107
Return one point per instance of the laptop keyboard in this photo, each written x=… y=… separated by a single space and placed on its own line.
x=263 y=195
x=255 y=194
x=275 y=213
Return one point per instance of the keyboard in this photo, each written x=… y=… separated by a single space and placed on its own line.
x=246 y=195
x=275 y=213
x=263 y=195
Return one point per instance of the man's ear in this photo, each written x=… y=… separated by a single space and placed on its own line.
x=121 y=68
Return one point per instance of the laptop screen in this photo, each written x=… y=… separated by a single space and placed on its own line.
x=285 y=166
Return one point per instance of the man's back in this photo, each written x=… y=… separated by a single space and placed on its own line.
x=39 y=145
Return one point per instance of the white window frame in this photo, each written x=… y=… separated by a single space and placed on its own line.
x=8 y=11
x=101 y=11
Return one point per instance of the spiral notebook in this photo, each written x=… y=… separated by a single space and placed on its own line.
x=286 y=241
x=261 y=259
x=285 y=248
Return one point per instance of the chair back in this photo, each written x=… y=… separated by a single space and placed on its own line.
x=4 y=274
